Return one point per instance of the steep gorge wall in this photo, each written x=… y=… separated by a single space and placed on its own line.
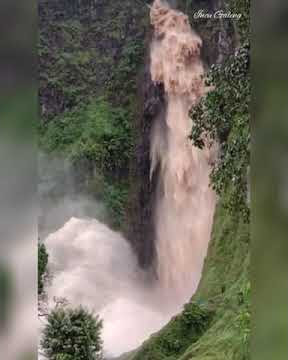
x=90 y=51
x=99 y=35
x=86 y=48
x=96 y=47
x=141 y=231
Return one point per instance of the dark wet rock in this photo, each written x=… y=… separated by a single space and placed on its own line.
x=141 y=231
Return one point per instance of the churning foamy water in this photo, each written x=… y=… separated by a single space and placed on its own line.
x=93 y=265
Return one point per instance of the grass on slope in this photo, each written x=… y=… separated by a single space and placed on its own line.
x=225 y=291
x=173 y=339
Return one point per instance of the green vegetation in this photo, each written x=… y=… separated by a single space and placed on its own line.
x=225 y=286
x=72 y=334
x=69 y=80
x=42 y=266
x=96 y=132
x=98 y=137
x=115 y=197
x=182 y=331
x=90 y=56
x=6 y=291
x=224 y=297
x=224 y=115
x=87 y=50
x=122 y=82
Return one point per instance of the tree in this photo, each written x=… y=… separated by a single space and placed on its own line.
x=72 y=334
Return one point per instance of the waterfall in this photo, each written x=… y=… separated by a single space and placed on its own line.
x=185 y=202
x=95 y=266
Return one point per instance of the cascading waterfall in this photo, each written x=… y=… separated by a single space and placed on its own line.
x=94 y=266
x=185 y=202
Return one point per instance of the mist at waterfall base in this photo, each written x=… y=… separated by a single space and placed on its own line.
x=94 y=266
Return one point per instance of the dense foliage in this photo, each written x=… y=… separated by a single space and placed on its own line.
x=42 y=266
x=88 y=49
x=223 y=115
x=224 y=289
x=97 y=136
x=97 y=132
x=182 y=331
x=72 y=334
x=122 y=84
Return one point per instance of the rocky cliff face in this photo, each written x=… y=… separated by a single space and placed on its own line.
x=141 y=210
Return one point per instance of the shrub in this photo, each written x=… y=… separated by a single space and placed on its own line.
x=106 y=138
x=72 y=334
x=181 y=332
x=115 y=197
x=42 y=266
